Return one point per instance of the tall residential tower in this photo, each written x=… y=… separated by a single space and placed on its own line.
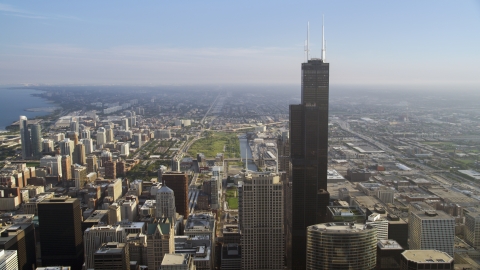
x=25 y=138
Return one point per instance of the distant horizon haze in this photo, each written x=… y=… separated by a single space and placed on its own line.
x=422 y=43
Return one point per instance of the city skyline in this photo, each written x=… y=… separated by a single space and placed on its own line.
x=381 y=43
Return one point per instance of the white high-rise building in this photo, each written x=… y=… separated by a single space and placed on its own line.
x=261 y=215
x=125 y=124
x=133 y=121
x=67 y=147
x=431 y=229
x=88 y=145
x=115 y=189
x=25 y=138
x=129 y=210
x=165 y=200
x=380 y=224
x=95 y=236
x=55 y=163
x=101 y=137
x=109 y=134
x=8 y=259
x=125 y=149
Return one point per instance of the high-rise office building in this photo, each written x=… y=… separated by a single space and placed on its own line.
x=160 y=241
x=79 y=175
x=67 y=147
x=105 y=156
x=21 y=238
x=47 y=146
x=101 y=137
x=88 y=145
x=112 y=256
x=125 y=124
x=137 y=138
x=261 y=221
x=115 y=189
x=341 y=246
x=73 y=136
x=178 y=182
x=36 y=135
x=66 y=168
x=109 y=134
x=61 y=232
x=92 y=165
x=54 y=163
x=472 y=227
x=110 y=169
x=308 y=155
x=431 y=229
x=74 y=125
x=79 y=154
x=25 y=138
x=96 y=235
x=133 y=121
x=85 y=134
x=380 y=224
x=165 y=200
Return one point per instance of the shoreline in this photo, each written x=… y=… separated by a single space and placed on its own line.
x=46 y=112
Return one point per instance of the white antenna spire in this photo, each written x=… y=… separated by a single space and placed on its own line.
x=323 y=38
x=308 y=40
x=305 y=50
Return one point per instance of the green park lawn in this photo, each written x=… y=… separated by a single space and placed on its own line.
x=214 y=143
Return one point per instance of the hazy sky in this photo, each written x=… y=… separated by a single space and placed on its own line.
x=224 y=42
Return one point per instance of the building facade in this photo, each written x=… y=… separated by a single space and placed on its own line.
x=261 y=214
x=160 y=241
x=95 y=236
x=8 y=260
x=341 y=246
x=165 y=200
x=430 y=229
x=61 y=232
x=178 y=182
x=472 y=227
x=25 y=138
x=308 y=155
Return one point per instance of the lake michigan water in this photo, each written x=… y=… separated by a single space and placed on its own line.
x=14 y=102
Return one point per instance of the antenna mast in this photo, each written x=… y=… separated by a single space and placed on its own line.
x=323 y=38
x=308 y=40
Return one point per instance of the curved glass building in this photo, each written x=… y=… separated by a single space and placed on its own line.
x=341 y=246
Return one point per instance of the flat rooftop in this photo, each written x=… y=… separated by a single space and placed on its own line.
x=175 y=259
x=432 y=215
x=339 y=227
x=389 y=244
x=427 y=256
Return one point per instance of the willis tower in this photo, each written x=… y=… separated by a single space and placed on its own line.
x=308 y=154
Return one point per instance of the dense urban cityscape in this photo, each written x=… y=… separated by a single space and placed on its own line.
x=173 y=136
x=226 y=179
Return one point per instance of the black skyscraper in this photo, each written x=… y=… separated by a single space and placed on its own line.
x=308 y=152
x=61 y=239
